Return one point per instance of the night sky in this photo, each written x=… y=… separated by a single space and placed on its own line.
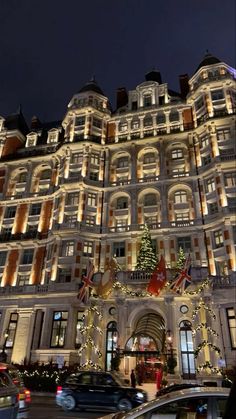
x=49 y=49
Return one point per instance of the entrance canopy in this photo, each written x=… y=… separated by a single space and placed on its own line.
x=152 y=325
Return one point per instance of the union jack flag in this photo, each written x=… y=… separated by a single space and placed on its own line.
x=183 y=279
x=83 y=294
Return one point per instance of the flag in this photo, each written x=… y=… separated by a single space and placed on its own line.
x=107 y=279
x=83 y=294
x=183 y=279
x=158 y=278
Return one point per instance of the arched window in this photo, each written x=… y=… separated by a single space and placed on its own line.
x=161 y=118
x=147 y=122
x=135 y=124
x=180 y=197
x=45 y=174
x=123 y=162
x=177 y=154
x=150 y=199
x=187 y=352
x=111 y=343
x=122 y=202
x=149 y=158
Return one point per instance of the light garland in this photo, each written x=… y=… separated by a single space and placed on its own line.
x=206 y=307
x=129 y=291
x=91 y=364
x=208 y=365
x=207 y=328
x=85 y=329
x=90 y=341
x=198 y=291
x=205 y=343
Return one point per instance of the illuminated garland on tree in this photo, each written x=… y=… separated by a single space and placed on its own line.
x=90 y=341
x=204 y=326
x=203 y=344
x=91 y=364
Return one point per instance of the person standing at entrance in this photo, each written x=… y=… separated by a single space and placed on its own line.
x=133 y=379
x=159 y=374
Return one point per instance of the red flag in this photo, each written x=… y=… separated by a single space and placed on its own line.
x=183 y=280
x=158 y=278
x=87 y=283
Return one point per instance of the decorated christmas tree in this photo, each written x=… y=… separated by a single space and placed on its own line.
x=181 y=259
x=147 y=258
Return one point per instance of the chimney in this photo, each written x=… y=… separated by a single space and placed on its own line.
x=35 y=123
x=121 y=97
x=184 y=86
x=154 y=75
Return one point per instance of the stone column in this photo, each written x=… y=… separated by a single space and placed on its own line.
x=23 y=338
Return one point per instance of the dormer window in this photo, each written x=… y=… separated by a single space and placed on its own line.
x=31 y=139
x=52 y=136
x=147 y=101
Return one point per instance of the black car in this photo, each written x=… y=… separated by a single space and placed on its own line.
x=9 y=395
x=98 y=390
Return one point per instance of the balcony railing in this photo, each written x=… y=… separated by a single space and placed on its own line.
x=29 y=235
x=53 y=287
x=227 y=281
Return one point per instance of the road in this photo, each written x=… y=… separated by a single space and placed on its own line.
x=46 y=408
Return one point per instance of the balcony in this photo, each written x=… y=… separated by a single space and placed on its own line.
x=53 y=287
x=228 y=281
x=29 y=235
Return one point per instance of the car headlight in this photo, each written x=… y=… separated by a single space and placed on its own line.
x=140 y=395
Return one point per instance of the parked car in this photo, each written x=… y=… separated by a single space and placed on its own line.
x=191 y=403
x=175 y=387
x=23 y=393
x=9 y=395
x=98 y=390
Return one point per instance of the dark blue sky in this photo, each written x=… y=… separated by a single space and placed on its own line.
x=50 y=48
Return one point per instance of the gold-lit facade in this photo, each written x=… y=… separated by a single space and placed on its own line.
x=84 y=187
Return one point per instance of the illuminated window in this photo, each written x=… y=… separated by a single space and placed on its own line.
x=27 y=257
x=178 y=171
x=150 y=199
x=123 y=126
x=79 y=325
x=218 y=237
x=111 y=343
x=68 y=248
x=88 y=248
x=177 y=154
x=23 y=280
x=94 y=159
x=230 y=313
x=122 y=202
x=90 y=220
x=119 y=249
x=217 y=94
x=71 y=220
x=149 y=158
x=187 y=352
x=92 y=201
x=180 y=197
x=77 y=158
x=210 y=185
x=223 y=134
x=205 y=141
x=123 y=162
x=121 y=224
x=183 y=216
x=185 y=243
x=135 y=124
x=72 y=198
x=59 y=326
x=11 y=330
x=52 y=136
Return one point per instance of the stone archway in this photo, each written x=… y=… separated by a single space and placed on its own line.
x=146 y=345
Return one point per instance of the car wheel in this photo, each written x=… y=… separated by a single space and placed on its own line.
x=68 y=403
x=124 y=404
